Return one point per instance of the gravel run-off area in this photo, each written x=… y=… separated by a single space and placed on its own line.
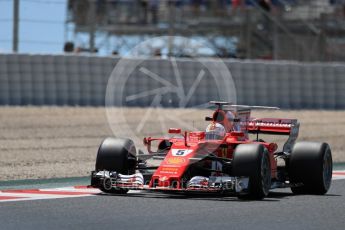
x=55 y=142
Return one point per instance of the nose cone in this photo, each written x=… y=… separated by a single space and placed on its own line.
x=173 y=167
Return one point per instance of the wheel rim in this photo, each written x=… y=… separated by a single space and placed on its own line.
x=327 y=169
x=265 y=174
x=107 y=184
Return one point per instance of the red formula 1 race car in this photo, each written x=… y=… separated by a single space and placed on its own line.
x=223 y=159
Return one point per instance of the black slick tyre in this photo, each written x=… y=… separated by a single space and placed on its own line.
x=115 y=154
x=310 y=168
x=252 y=160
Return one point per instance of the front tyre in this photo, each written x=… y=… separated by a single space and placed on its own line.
x=115 y=154
x=252 y=160
x=310 y=168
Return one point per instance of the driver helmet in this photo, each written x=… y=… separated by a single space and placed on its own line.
x=215 y=131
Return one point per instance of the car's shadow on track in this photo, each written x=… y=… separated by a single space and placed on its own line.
x=272 y=197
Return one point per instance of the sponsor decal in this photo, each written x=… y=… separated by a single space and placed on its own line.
x=175 y=160
x=168 y=170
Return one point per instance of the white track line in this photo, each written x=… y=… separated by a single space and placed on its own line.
x=338 y=175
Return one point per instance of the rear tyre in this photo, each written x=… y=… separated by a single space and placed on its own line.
x=310 y=168
x=252 y=160
x=115 y=154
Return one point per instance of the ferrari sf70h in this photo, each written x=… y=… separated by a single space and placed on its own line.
x=225 y=159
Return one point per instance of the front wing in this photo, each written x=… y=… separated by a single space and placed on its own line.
x=111 y=180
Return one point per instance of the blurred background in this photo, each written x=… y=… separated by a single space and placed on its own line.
x=303 y=30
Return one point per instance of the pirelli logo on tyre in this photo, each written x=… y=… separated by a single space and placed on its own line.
x=175 y=160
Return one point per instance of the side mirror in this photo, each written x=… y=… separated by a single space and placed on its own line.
x=208 y=119
x=174 y=130
x=145 y=141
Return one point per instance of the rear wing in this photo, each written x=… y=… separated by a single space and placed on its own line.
x=273 y=126
x=276 y=126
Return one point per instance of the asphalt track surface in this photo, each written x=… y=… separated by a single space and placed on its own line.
x=281 y=210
